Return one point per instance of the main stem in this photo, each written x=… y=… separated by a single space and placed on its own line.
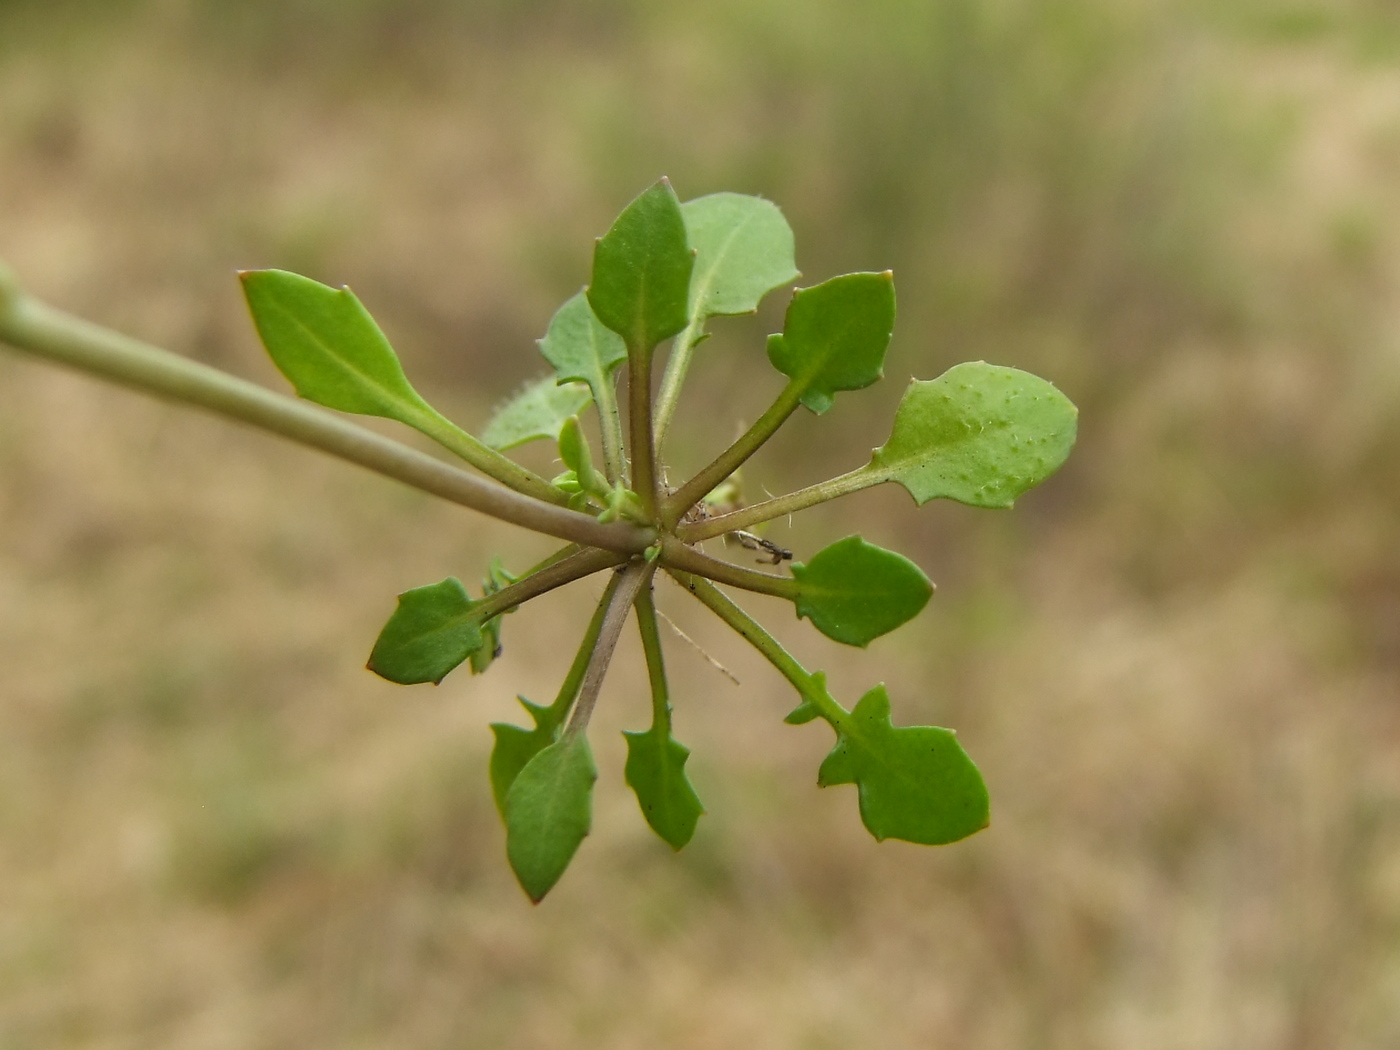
x=32 y=326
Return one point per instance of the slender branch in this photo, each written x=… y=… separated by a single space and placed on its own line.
x=677 y=364
x=566 y=570
x=728 y=461
x=639 y=424
x=632 y=579
x=610 y=426
x=574 y=679
x=656 y=664
x=485 y=458
x=31 y=326
x=811 y=686
x=676 y=555
x=843 y=485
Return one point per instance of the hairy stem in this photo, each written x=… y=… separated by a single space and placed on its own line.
x=812 y=687
x=656 y=666
x=566 y=570
x=31 y=326
x=677 y=364
x=631 y=580
x=843 y=485
x=676 y=555
x=728 y=461
x=610 y=425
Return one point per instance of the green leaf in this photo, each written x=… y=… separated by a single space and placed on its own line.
x=980 y=434
x=743 y=250
x=432 y=630
x=641 y=271
x=916 y=783
x=835 y=336
x=496 y=578
x=516 y=746
x=655 y=770
x=581 y=348
x=327 y=344
x=855 y=591
x=538 y=411
x=549 y=811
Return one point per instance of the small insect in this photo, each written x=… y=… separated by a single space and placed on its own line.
x=775 y=554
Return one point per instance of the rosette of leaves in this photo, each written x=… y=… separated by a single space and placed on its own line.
x=980 y=434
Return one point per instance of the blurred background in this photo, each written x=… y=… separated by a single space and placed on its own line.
x=1177 y=663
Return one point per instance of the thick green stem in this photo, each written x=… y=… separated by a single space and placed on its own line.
x=639 y=425
x=566 y=570
x=812 y=687
x=677 y=364
x=38 y=329
x=676 y=555
x=728 y=461
x=631 y=581
x=656 y=665
x=854 y=481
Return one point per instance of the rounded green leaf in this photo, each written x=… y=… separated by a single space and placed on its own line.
x=980 y=434
x=549 y=811
x=641 y=271
x=432 y=630
x=916 y=783
x=538 y=411
x=854 y=591
x=835 y=336
x=327 y=344
x=743 y=250
x=655 y=770
x=580 y=347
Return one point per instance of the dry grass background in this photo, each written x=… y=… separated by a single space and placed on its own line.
x=1178 y=663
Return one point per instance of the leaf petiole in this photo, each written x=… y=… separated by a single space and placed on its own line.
x=630 y=581
x=676 y=555
x=801 y=499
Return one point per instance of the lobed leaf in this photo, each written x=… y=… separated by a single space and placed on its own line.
x=515 y=747
x=655 y=770
x=915 y=783
x=549 y=812
x=538 y=411
x=980 y=434
x=432 y=630
x=326 y=343
x=743 y=250
x=835 y=336
x=641 y=271
x=580 y=347
x=496 y=578
x=854 y=591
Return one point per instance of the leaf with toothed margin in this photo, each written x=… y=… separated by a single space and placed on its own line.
x=516 y=746
x=432 y=630
x=641 y=271
x=538 y=411
x=835 y=336
x=915 y=783
x=743 y=250
x=854 y=591
x=980 y=434
x=549 y=812
x=580 y=347
x=655 y=771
